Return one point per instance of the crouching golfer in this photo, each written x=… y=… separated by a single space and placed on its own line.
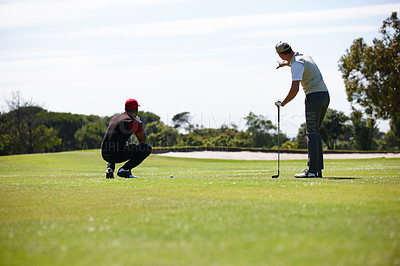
x=114 y=147
x=306 y=72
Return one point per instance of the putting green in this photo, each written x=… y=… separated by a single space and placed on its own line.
x=59 y=208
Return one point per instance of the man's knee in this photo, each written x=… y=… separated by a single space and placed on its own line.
x=145 y=148
x=148 y=149
x=312 y=131
x=106 y=157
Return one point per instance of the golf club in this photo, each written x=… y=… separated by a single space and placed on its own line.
x=279 y=115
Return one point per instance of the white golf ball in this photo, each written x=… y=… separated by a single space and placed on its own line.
x=171 y=176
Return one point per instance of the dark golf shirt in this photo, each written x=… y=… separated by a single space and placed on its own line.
x=120 y=128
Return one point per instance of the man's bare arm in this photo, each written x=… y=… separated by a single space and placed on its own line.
x=292 y=92
x=141 y=137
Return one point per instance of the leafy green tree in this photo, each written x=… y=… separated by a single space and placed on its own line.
x=181 y=119
x=258 y=129
x=5 y=137
x=395 y=126
x=148 y=117
x=371 y=73
x=242 y=139
x=25 y=132
x=301 y=138
x=89 y=136
x=344 y=145
x=192 y=139
x=282 y=140
x=222 y=137
x=222 y=140
x=66 y=125
x=392 y=137
x=160 y=135
x=288 y=145
x=333 y=127
x=364 y=131
x=154 y=127
x=45 y=139
x=391 y=141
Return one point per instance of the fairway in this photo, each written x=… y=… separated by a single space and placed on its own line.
x=58 y=209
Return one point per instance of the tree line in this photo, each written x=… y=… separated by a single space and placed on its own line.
x=29 y=128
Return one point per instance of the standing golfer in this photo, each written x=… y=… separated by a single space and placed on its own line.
x=305 y=71
x=114 y=147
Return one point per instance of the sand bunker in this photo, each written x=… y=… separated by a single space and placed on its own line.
x=249 y=155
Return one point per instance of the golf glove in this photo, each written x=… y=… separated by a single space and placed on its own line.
x=278 y=103
x=138 y=119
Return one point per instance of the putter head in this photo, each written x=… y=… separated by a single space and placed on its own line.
x=275 y=176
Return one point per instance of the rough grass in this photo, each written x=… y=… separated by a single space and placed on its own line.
x=59 y=208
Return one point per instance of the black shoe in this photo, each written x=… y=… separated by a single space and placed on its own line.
x=125 y=173
x=109 y=173
x=319 y=174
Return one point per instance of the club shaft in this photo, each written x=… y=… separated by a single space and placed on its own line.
x=279 y=122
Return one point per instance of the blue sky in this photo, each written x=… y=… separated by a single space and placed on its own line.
x=214 y=59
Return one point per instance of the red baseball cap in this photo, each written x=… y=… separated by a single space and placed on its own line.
x=131 y=104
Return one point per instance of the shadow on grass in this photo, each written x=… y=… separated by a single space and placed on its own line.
x=341 y=178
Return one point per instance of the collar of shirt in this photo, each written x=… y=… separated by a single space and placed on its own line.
x=292 y=59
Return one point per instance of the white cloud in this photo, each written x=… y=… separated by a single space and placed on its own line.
x=36 y=58
x=220 y=24
x=30 y=13
x=7 y=55
x=309 y=31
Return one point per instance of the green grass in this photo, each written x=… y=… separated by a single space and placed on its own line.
x=59 y=209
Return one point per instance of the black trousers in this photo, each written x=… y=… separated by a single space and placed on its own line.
x=316 y=106
x=134 y=154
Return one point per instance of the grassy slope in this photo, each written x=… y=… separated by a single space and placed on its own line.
x=59 y=207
